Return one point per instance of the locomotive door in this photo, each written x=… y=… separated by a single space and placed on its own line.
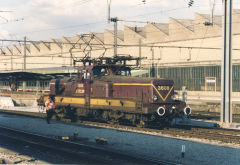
x=87 y=88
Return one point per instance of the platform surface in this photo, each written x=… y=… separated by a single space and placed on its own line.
x=198 y=153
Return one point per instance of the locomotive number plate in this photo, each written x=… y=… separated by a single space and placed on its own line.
x=80 y=91
x=163 y=88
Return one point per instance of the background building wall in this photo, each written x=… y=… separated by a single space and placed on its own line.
x=187 y=51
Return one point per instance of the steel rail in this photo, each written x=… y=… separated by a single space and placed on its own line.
x=224 y=135
x=76 y=149
x=212 y=116
x=52 y=145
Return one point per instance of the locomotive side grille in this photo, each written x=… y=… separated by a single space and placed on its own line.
x=159 y=92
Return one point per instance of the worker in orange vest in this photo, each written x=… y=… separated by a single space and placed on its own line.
x=50 y=109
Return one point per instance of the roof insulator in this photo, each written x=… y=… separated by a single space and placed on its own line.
x=207 y=23
x=190 y=3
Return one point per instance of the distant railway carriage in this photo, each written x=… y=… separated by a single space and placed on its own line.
x=100 y=92
x=26 y=86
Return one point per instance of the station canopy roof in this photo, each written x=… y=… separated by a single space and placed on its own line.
x=37 y=74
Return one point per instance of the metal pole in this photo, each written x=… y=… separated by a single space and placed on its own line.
x=24 y=55
x=115 y=36
x=109 y=10
x=149 y=75
x=71 y=58
x=11 y=61
x=212 y=6
x=153 y=68
x=140 y=51
x=226 y=70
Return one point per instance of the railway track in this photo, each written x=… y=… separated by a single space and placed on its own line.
x=220 y=135
x=212 y=116
x=77 y=151
x=211 y=134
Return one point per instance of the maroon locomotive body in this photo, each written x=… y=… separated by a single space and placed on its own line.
x=98 y=94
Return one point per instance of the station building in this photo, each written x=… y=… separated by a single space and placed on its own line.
x=187 y=51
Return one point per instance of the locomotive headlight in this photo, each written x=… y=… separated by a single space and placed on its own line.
x=175 y=96
x=155 y=98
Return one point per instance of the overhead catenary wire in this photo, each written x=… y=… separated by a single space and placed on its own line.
x=170 y=41
x=19 y=41
x=61 y=6
x=19 y=56
x=52 y=55
x=73 y=26
x=154 y=43
x=81 y=34
x=51 y=29
x=179 y=32
x=63 y=28
x=145 y=14
x=102 y=22
x=60 y=28
x=74 y=4
x=202 y=43
x=120 y=45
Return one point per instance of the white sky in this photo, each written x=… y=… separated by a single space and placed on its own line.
x=46 y=19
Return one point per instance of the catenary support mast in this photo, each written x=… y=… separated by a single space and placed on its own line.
x=226 y=72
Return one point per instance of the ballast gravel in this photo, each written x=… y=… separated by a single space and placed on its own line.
x=141 y=144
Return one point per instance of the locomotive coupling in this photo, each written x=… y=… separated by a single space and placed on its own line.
x=187 y=110
x=161 y=111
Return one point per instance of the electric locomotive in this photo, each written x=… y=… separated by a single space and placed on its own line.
x=102 y=91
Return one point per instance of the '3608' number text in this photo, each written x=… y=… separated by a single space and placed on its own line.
x=163 y=88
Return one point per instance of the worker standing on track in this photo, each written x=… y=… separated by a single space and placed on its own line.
x=50 y=109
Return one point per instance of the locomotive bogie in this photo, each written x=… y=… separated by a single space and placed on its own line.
x=119 y=111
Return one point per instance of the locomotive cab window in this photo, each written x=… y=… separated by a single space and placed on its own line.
x=98 y=72
x=126 y=73
x=86 y=75
x=104 y=72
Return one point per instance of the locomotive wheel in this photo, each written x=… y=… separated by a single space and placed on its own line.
x=141 y=124
x=105 y=115
x=134 y=122
x=58 y=118
x=113 y=122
